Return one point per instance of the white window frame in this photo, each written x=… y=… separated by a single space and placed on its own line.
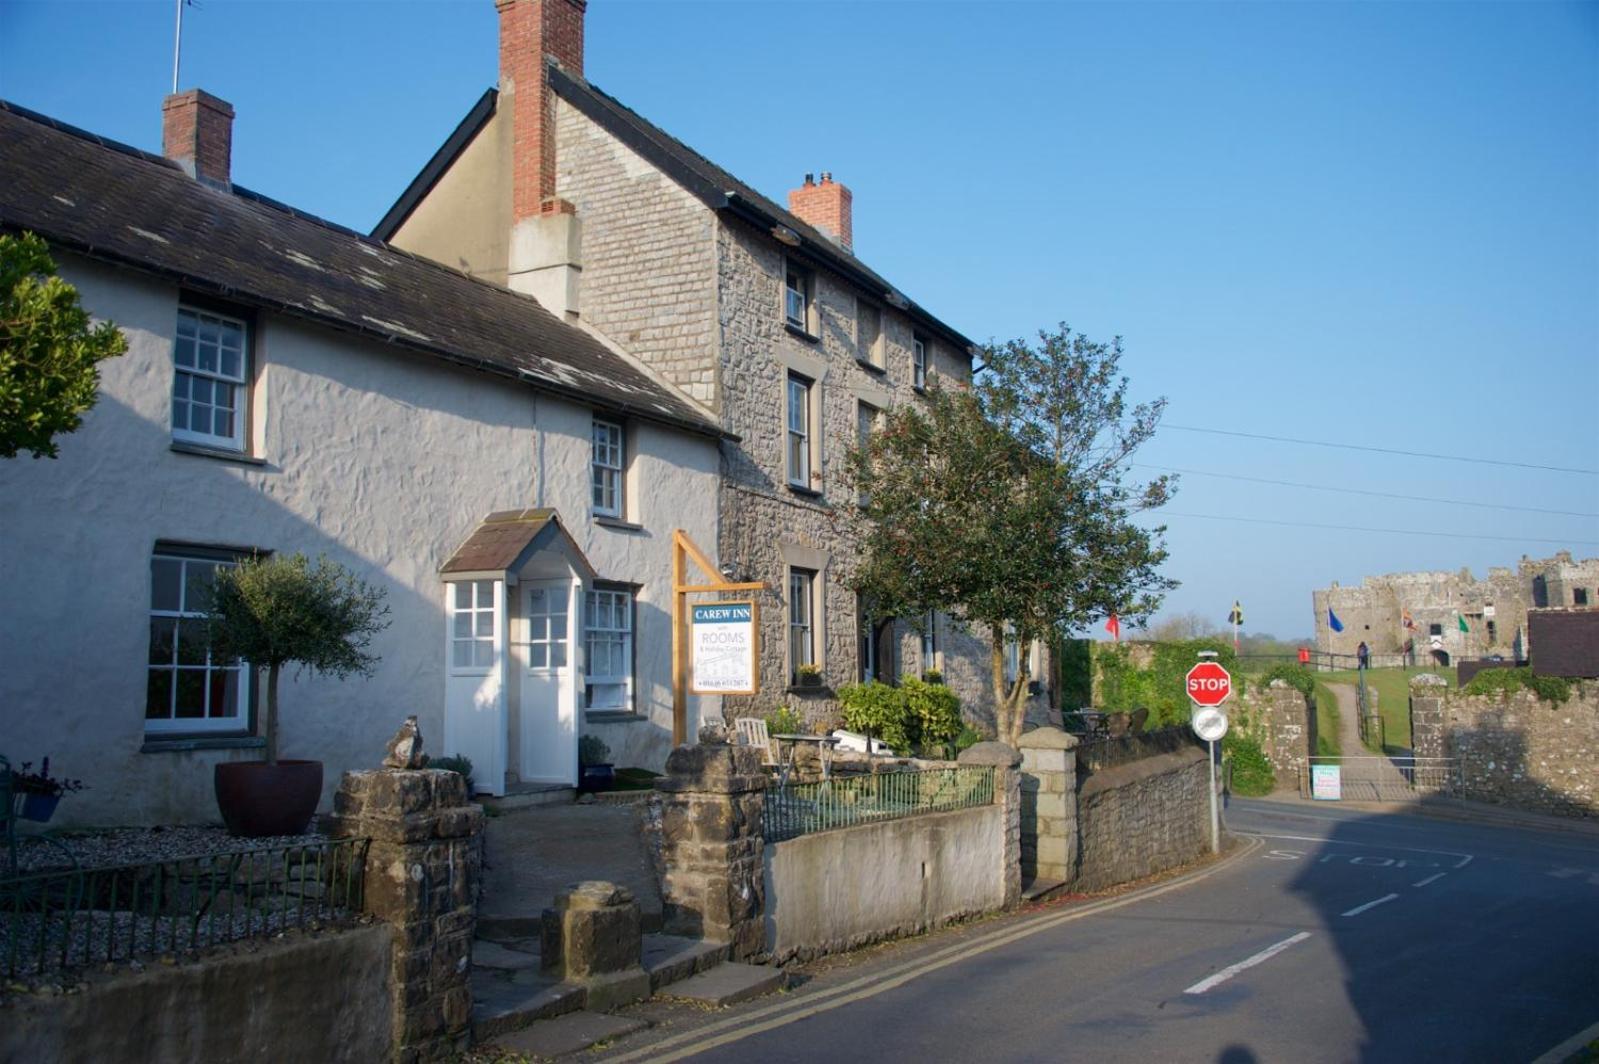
x=918 y=362
x=870 y=353
x=930 y=642
x=190 y=334
x=478 y=607
x=608 y=468
x=802 y=621
x=185 y=615
x=548 y=650
x=867 y=420
x=1013 y=655
x=800 y=298
x=617 y=603
x=799 y=437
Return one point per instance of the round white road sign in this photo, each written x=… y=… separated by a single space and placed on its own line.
x=1209 y=723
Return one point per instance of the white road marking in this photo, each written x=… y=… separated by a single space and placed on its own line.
x=1357 y=910
x=1430 y=879
x=1233 y=969
x=1465 y=858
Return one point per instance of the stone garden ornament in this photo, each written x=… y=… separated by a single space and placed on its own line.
x=405 y=749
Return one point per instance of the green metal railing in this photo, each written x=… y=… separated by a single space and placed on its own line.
x=59 y=920
x=844 y=801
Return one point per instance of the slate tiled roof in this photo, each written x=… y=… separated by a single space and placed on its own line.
x=115 y=203
x=502 y=541
x=712 y=185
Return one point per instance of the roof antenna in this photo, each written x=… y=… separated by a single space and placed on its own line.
x=177 y=46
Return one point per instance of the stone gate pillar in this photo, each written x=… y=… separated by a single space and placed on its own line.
x=1427 y=714
x=1049 y=805
x=421 y=879
x=713 y=884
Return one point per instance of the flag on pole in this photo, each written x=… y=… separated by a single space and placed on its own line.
x=1114 y=627
x=1237 y=616
x=1333 y=622
x=1460 y=620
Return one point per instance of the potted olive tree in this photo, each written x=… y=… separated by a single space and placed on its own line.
x=278 y=611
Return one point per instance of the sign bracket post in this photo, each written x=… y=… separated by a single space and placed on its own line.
x=1209 y=685
x=685 y=550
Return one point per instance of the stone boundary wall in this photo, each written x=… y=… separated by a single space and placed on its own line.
x=1098 y=755
x=322 y=997
x=1517 y=750
x=839 y=890
x=1142 y=817
x=1286 y=728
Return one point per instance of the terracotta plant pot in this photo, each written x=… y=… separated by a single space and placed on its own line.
x=258 y=799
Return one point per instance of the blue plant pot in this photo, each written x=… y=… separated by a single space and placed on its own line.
x=39 y=807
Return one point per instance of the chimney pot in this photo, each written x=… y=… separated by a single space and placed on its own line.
x=197 y=134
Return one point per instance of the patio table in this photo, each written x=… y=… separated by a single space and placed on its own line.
x=789 y=744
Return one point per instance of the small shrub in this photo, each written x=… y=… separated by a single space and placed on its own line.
x=932 y=676
x=1505 y=682
x=591 y=750
x=934 y=712
x=968 y=738
x=458 y=763
x=784 y=721
x=1296 y=676
x=1252 y=775
x=880 y=711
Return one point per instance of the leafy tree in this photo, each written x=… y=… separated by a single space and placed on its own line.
x=1006 y=506
x=49 y=354
x=282 y=610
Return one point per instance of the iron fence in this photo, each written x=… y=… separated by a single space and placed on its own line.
x=1383 y=779
x=63 y=919
x=845 y=801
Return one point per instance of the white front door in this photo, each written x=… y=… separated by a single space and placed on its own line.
x=548 y=684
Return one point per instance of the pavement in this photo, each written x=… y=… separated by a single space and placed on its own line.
x=1330 y=934
x=531 y=855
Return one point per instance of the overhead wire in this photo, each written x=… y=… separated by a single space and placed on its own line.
x=1384 y=450
x=1363 y=491
x=1359 y=528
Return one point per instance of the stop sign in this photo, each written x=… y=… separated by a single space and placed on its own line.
x=1209 y=684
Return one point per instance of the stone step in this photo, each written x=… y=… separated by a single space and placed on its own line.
x=500 y=1006
x=528 y=795
x=729 y=983
x=503 y=957
x=1042 y=889
x=671 y=959
x=564 y=1035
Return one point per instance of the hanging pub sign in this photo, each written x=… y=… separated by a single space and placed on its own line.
x=723 y=647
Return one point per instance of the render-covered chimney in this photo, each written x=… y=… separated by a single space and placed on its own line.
x=828 y=206
x=545 y=242
x=197 y=134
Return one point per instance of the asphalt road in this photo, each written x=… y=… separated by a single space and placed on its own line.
x=1339 y=936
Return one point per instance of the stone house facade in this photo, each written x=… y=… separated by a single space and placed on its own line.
x=291 y=386
x=762 y=313
x=1434 y=604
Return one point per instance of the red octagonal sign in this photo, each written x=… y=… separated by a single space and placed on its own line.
x=1209 y=684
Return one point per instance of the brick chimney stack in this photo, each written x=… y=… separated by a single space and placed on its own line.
x=197 y=134
x=546 y=236
x=828 y=206
x=532 y=31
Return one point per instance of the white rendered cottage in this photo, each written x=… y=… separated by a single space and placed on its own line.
x=293 y=386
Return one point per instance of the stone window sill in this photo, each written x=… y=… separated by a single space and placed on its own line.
x=178 y=743
x=872 y=367
x=179 y=447
x=806 y=691
x=617 y=523
x=613 y=716
x=809 y=493
x=795 y=330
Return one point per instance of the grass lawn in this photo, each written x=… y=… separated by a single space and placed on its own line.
x=1393 y=697
x=1326 y=720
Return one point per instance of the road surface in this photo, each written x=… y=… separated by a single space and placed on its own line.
x=1338 y=935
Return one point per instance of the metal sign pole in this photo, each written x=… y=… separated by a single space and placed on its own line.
x=1215 y=814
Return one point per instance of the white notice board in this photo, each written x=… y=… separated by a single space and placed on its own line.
x=724 y=644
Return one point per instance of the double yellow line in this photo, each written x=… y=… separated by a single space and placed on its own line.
x=800 y=1007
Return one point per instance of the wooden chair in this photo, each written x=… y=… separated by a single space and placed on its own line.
x=751 y=731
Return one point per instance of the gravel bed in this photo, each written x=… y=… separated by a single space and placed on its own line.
x=139 y=845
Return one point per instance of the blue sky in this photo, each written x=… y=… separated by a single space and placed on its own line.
x=1369 y=223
